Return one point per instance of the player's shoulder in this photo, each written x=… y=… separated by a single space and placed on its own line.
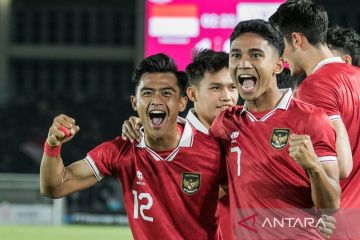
x=305 y=109
x=116 y=145
x=332 y=73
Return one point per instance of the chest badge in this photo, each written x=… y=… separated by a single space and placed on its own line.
x=190 y=182
x=279 y=138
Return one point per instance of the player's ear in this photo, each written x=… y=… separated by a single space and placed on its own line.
x=347 y=59
x=183 y=103
x=296 y=39
x=191 y=93
x=279 y=65
x=133 y=102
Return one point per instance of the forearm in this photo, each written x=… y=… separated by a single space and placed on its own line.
x=52 y=173
x=343 y=149
x=344 y=156
x=325 y=191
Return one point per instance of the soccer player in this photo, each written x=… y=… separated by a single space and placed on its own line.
x=344 y=43
x=170 y=179
x=277 y=158
x=330 y=84
x=212 y=91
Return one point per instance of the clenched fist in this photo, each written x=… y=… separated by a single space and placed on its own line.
x=302 y=151
x=56 y=136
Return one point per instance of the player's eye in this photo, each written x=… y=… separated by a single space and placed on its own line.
x=146 y=93
x=167 y=93
x=216 y=88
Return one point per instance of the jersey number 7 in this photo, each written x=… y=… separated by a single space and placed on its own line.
x=237 y=151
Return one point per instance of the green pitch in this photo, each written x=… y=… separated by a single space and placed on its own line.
x=66 y=232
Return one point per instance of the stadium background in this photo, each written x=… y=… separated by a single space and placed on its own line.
x=73 y=57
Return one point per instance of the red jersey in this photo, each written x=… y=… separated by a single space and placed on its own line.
x=223 y=210
x=261 y=174
x=335 y=87
x=167 y=195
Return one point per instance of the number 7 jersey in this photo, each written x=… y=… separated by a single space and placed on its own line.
x=167 y=195
x=261 y=173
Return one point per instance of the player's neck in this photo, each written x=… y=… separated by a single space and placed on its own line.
x=315 y=55
x=168 y=141
x=203 y=120
x=266 y=102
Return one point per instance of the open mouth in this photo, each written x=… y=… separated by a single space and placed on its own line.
x=224 y=107
x=247 y=82
x=157 y=117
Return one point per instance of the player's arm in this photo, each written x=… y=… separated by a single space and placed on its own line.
x=343 y=148
x=328 y=99
x=56 y=180
x=324 y=178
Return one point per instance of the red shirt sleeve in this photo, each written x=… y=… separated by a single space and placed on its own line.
x=319 y=92
x=108 y=155
x=323 y=136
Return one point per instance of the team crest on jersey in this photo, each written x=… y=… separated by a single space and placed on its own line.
x=279 y=138
x=190 y=182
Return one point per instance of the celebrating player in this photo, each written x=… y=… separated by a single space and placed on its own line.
x=277 y=158
x=212 y=91
x=170 y=179
x=330 y=84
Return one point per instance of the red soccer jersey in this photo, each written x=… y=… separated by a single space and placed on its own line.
x=223 y=210
x=335 y=87
x=261 y=174
x=168 y=195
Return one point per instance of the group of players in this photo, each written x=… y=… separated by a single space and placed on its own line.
x=274 y=156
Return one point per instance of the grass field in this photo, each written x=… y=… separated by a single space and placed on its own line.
x=66 y=232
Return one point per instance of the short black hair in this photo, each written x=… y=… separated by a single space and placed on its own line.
x=205 y=60
x=345 y=40
x=302 y=16
x=263 y=29
x=160 y=63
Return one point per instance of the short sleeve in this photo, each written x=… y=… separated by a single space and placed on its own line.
x=323 y=136
x=105 y=158
x=322 y=94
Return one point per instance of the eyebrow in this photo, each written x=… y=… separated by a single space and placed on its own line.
x=161 y=89
x=235 y=50
x=250 y=50
x=216 y=84
x=255 y=50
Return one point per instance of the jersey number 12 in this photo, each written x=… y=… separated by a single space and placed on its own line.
x=143 y=207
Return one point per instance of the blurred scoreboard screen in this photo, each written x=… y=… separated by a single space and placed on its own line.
x=175 y=27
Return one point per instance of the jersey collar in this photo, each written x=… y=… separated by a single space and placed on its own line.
x=283 y=105
x=327 y=61
x=185 y=140
x=195 y=122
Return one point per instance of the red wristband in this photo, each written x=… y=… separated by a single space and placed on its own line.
x=51 y=151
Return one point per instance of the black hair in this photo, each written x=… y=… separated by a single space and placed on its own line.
x=303 y=16
x=160 y=63
x=206 y=60
x=345 y=40
x=263 y=29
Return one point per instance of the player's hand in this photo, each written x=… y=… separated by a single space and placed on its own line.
x=131 y=129
x=329 y=227
x=302 y=151
x=57 y=135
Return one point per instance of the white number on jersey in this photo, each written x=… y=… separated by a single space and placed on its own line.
x=143 y=207
x=238 y=154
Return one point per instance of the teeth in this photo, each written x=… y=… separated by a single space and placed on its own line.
x=157 y=112
x=246 y=76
